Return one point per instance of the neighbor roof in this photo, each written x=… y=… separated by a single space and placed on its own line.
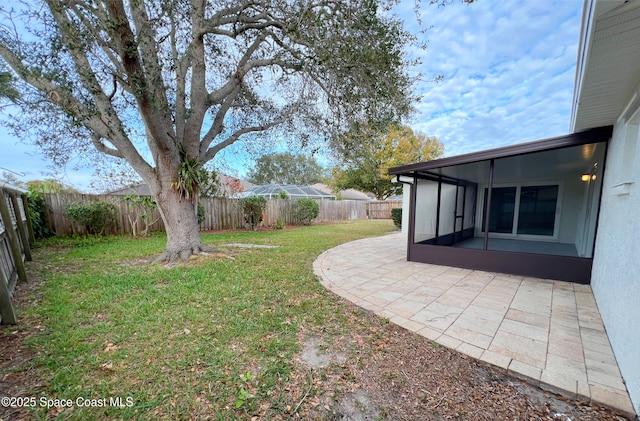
x=140 y=189
x=348 y=194
x=293 y=191
x=225 y=184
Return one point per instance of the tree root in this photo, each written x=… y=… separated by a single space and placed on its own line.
x=170 y=256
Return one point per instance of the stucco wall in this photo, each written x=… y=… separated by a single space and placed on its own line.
x=616 y=268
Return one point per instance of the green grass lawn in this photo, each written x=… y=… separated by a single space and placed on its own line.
x=214 y=337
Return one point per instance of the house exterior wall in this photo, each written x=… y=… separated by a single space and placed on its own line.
x=616 y=268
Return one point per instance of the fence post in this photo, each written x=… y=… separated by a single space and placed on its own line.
x=6 y=307
x=22 y=231
x=14 y=241
x=25 y=204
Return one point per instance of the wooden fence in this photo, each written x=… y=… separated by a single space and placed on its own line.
x=16 y=239
x=382 y=210
x=220 y=213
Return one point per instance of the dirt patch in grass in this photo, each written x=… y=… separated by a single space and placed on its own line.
x=249 y=246
x=317 y=354
x=137 y=262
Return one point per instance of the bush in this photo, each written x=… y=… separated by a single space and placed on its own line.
x=38 y=213
x=396 y=215
x=252 y=208
x=279 y=225
x=306 y=210
x=95 y=216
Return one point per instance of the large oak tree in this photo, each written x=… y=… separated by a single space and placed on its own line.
x=167 y=84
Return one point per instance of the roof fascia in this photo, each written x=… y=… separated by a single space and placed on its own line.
x=586 y=31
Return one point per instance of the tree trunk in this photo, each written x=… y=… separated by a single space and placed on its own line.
x=181 y=224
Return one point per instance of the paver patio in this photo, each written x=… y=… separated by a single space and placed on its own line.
x=548 y=333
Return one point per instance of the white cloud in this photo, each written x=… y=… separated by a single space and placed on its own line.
x=508 y=72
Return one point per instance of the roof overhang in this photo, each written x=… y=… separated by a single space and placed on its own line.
x=7 y=186
x=608 y=68
x=599 y=134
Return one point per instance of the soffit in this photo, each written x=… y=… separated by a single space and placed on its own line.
x=609 y=64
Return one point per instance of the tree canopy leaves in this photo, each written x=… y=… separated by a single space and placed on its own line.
x=365 y=164
x=7 y=90
x=286 y=168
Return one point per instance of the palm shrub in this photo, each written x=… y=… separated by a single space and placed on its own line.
x=306 y=210
x=252 y=208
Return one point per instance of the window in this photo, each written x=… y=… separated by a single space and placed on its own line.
x=537 y=211
x=503 y=204
x=522 y=210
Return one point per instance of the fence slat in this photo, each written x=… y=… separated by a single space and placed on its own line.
x=23 y=231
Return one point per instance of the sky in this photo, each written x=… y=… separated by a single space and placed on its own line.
x=507 y=70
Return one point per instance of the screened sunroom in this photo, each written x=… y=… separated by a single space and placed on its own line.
x=529 y=209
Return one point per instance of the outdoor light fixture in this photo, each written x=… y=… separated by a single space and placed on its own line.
x=591 y=175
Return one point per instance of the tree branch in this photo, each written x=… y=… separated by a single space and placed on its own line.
x=216 y=97
x=198 y=89
x=100 y=146
x=181 y=80
x=211 y=152
x=105 y=47
x=152 y=67
x=70 y=104
x=127 y=46
x=218 y=123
